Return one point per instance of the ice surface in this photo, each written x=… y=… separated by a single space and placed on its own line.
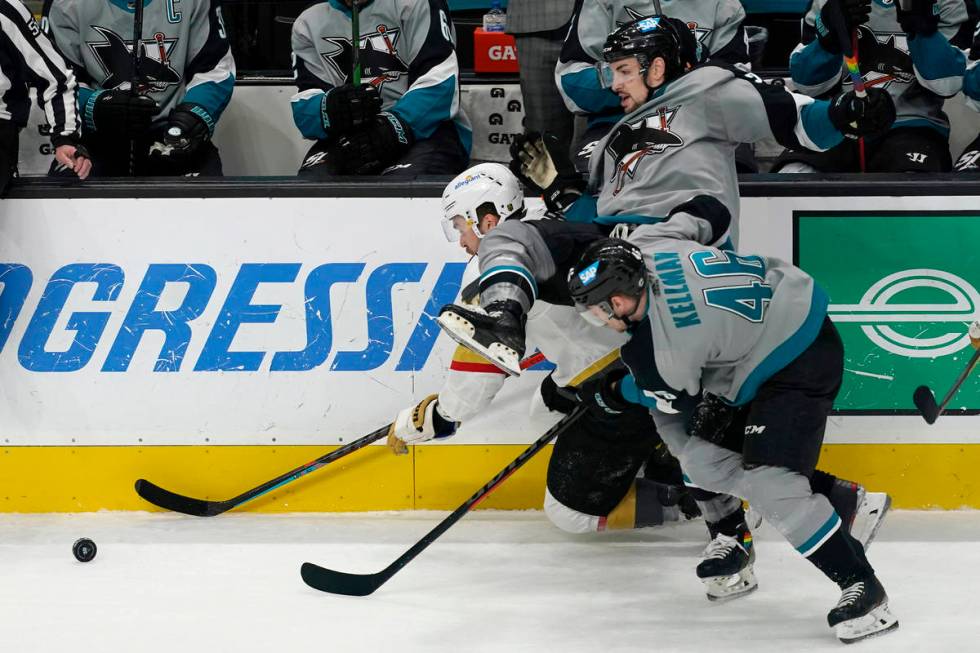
x=497 y=581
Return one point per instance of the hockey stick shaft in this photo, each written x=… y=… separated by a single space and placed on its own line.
x=202 y=508
x=959 y=381
x=335 y=582
x=355 y=42
x=925 y=400
x=134 y=86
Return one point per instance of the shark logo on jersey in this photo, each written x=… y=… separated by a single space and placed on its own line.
x=634 y=141
x=115 y=56
x=379 y=58
x=700 y=33
x=882 y=58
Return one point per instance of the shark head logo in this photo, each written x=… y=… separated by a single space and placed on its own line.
x=634 y=141
x=379 y=58
x=883 y=62
x=115 y=56
x=700 y=33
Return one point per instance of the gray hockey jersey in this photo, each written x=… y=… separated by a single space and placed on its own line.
x=407 y=49
x=917 y=73
x=682 y=142
x=717 y=24
x=717 y=321
x=184 y=54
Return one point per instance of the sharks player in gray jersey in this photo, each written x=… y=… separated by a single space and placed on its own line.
x=915 y=55
x=522 y=262
x=716 y=24
x=186 y=79
x=405 y=118
x=683 y=121
x=740 y=364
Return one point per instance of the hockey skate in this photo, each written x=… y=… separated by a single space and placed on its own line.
x=862 y=612
x=726 y=566
x=497 y=334
x=860 y=511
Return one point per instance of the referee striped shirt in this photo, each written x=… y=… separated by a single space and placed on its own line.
x=28 y=58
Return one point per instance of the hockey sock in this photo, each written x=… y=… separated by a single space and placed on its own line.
x=640 y=507
x=841 y=558
x=733 y=525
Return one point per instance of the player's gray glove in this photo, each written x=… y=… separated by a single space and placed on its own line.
x=710 y=419
x=541 y=161
x=855 y=117
x=836 y=21
x=918 y=17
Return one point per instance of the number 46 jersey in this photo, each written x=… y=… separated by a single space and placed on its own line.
x=718 y=321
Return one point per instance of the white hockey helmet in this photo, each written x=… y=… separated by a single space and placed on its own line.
x=491 y=183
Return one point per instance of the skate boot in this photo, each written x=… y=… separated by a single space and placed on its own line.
x=497 y=333
x=861 y=512
x=726 y=566
x=862 y=612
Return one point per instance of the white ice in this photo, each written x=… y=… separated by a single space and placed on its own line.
x=497 y=581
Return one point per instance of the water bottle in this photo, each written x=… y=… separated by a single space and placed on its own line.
x=495 y=20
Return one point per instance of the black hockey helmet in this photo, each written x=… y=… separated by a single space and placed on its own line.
x=655 y=36
x=608 y=267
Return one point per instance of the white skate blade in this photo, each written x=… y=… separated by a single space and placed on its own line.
x=726 y=588
x=877 y=622
x=870 y=514
x=460 y=330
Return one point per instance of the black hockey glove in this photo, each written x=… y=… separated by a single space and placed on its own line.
x=601 y=396
x=186 y=132
x=919 y=17
x=837 y=20
x=541 y=162
x=370 y=149
x=120 y=113
x=710 y=419
x=869 y=116
x=557 y=399
x=348 y=107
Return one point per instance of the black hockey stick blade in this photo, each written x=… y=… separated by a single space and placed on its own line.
x=202 y=508
x=172 y=501
x=925 y=401
x=339 y=582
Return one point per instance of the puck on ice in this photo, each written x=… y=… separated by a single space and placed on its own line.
x=84 y=549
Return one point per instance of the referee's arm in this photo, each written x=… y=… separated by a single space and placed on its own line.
x=43 y=67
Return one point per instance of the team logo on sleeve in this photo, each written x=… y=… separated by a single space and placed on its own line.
x=884 y=58
x=379 y=58
x=633 y=141
x=115 y=56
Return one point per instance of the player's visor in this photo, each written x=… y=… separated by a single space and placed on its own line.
x=456 y=225
x=597 y=315
x=617 y=71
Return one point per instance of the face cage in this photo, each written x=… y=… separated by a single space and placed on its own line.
x=455 y=225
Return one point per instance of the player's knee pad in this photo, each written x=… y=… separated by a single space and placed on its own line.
x=567 y=519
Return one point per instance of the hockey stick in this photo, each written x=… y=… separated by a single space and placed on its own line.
x=852 y=64
x=172 y=501
x=355 y=33
x=339 y=582
x=134 y=84
x=202 y=508
x=925 y=400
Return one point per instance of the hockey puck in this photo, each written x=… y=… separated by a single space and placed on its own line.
x=84 y=549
